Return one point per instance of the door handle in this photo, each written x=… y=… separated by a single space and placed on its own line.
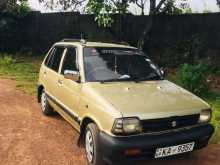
x=60 y=82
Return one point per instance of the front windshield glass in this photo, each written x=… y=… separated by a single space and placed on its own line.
x=118 y=64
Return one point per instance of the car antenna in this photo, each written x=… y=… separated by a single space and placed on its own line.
x=82 y=40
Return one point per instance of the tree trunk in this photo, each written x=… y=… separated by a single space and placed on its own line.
x=154 y=9
x=142 y=11
x=145 y=36
x=152 y=6
x=142 y=7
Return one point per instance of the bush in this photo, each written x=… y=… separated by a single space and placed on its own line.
x=194 y=78
x=6 y=60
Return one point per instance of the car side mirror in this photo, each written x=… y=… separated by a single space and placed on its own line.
x=72 y=75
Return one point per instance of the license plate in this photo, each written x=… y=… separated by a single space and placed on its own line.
x=174 y=150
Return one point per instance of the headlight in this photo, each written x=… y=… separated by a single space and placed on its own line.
x=124 y=126
x=205 y=116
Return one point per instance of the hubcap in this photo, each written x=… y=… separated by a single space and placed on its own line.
x=43 y=101
x=89 y=146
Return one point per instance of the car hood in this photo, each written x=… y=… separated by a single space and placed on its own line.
x=149 y=99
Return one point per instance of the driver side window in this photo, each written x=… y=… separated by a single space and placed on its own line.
x=69 y=62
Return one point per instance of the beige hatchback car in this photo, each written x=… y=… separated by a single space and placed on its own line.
x=120 y=103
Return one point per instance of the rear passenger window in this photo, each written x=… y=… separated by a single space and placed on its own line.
x=69 y=62
x=54 y=61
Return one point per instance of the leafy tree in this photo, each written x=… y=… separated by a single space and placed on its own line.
x=104 y=8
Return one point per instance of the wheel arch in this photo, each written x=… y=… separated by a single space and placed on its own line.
x=39 y=92
x=86 y=120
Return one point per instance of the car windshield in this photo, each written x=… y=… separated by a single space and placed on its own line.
x=118 y=64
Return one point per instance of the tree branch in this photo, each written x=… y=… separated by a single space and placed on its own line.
x=156 y=10
x=139 y=5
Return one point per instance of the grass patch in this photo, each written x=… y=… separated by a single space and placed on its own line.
x=23 y=69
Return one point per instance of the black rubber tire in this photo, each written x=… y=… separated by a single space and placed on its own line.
x=97 y=157
x=45 y=107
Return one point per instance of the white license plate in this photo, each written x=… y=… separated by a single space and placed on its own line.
x=174 y=150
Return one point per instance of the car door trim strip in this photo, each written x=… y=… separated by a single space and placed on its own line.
x=67 y=110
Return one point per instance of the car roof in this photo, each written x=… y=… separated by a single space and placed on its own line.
x=95 y=44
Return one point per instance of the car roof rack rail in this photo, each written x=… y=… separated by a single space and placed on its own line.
x=123 y=43
x=82 y=41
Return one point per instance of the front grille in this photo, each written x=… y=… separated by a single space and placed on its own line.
x=163 y=124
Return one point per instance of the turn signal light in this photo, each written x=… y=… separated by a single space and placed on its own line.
x=132 y=152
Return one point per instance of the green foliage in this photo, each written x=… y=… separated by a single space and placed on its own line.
x=102 y=12
x=23 y=9
x=213 y=98
x=6 y=60
x=187 y=11
x=22 y=68
x=104 y=20
x=194 y=78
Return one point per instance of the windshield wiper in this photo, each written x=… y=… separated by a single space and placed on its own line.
x=109 y=80
x=149 y=77
x=115 y=80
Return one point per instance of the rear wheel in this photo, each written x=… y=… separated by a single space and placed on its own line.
x=45 y=106
x=93 y=154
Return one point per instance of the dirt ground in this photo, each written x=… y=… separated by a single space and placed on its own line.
x=29 y=138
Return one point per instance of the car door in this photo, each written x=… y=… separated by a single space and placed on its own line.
x=69 y=90
x=51 y=71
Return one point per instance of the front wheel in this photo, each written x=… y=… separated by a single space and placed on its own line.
x=93 y=154
x=45 y=106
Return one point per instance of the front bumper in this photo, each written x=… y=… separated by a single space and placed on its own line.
x=113 y=148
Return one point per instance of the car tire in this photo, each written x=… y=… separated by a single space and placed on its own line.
x=92 y=150
x=45 y=106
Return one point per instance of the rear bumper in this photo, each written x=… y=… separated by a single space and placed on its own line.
x=113 y=147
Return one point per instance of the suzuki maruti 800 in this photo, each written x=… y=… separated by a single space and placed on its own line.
x=120 y=103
